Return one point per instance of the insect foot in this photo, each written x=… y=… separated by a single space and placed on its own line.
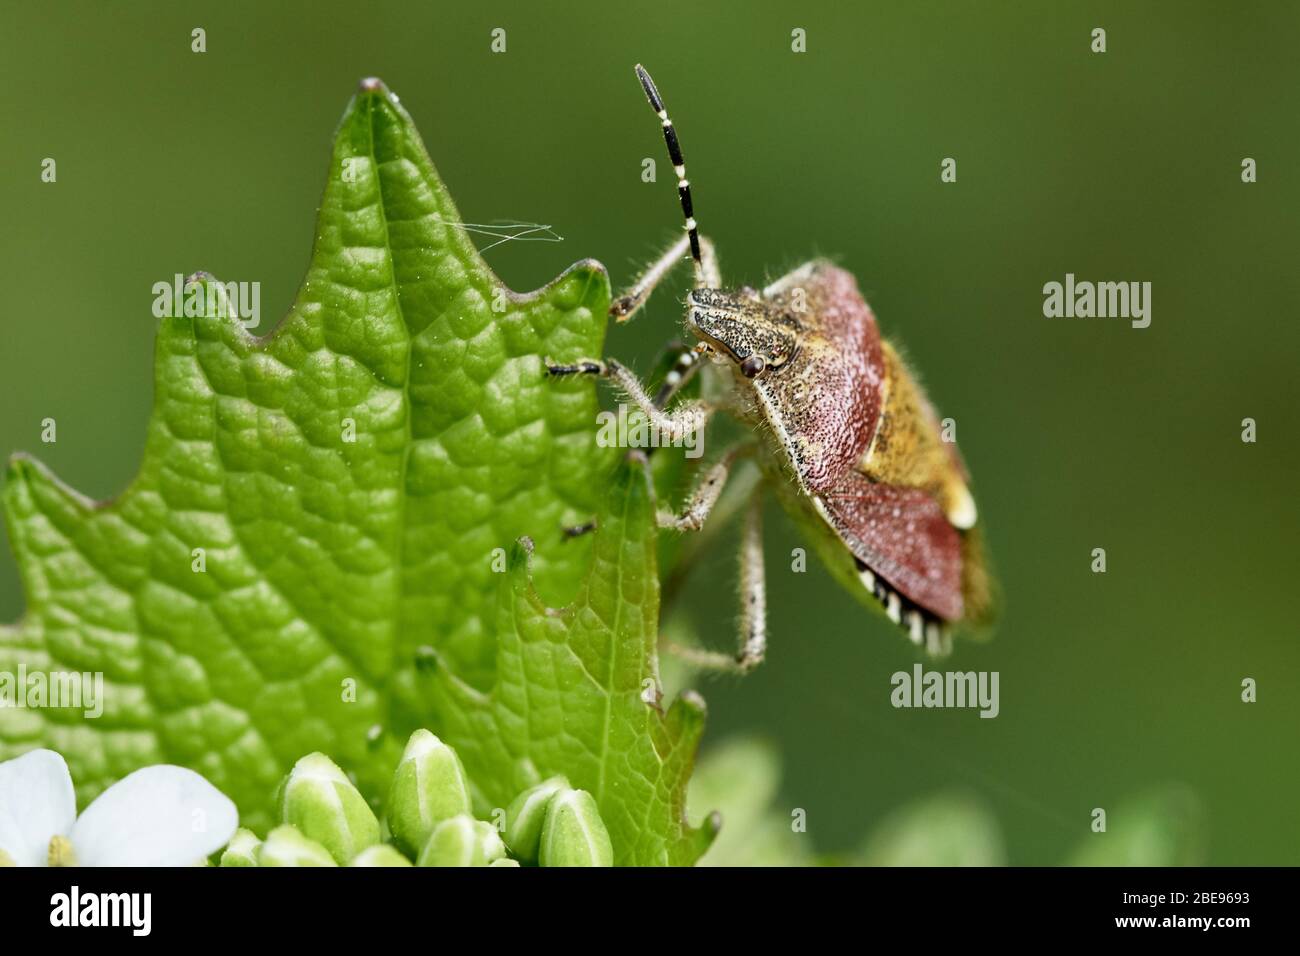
x=577 y=530
x=580 y=367
x=622 y=307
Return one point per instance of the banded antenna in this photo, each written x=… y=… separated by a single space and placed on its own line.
x=679 y=166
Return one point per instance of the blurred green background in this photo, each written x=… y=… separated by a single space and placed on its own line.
x=1079 y=433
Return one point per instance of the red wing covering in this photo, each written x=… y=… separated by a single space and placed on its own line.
x=902 y=535
x=826 y=403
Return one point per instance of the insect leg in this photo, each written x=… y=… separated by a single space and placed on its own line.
x=625 y=306
x=705 y=495
x=679 y=423
x=753 y=605
x=753 y=590
x=675 y=425
x=687 y=419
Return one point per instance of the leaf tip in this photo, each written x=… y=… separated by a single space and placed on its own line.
x=713 y=824
x=373 y=86
x=24 y=470
x=693 y=702
x=700 y=838
x=521 y=555
x=19 y=466
x=583 y=284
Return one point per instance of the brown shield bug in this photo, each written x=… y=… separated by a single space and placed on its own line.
x=845 y=436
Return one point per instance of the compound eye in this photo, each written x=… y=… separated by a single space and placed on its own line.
x=752 y=366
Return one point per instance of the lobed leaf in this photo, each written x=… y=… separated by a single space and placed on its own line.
x=335 y=572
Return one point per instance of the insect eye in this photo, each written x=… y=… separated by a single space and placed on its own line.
x=752 y=366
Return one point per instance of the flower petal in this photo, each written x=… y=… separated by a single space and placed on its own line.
x=157 y=816
x=36 y=803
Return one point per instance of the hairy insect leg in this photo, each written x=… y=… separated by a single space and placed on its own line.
x=700 y=545
x=705 y=494
x=675 y=425
x=753 y=605
x=683 y=370
x=753 y=590
x=625 y=306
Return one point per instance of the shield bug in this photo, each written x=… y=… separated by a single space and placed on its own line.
x=845 y=436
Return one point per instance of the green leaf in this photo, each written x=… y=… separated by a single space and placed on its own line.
x=335 y=571
x=577 y=693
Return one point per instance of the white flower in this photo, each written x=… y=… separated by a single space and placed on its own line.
x=157 y=816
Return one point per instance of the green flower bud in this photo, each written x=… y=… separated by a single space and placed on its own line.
x=429 y=786
x=573 y=833
x=242 y=850
x=524 y=818
x=320 y=801
x=462 y=841
x=381 y=854
x=287 y=846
